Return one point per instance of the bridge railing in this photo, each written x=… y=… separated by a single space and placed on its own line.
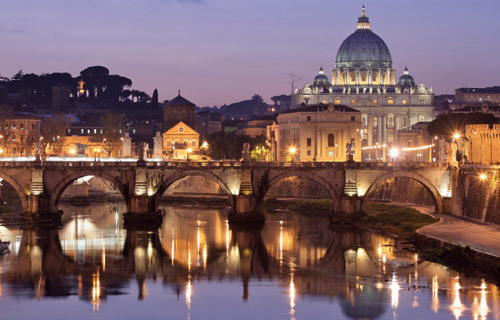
x=231 y=164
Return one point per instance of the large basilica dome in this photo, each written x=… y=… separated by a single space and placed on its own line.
x=363 y=48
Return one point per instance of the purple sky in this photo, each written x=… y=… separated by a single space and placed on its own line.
x=222 y=51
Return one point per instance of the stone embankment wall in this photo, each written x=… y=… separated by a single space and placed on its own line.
x=482 y=197
x=403 y=190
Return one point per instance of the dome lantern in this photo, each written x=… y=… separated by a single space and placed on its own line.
x=363 y=21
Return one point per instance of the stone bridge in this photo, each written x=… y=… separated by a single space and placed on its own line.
x=142 y=184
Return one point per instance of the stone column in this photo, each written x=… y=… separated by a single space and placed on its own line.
x=385 y=128
x=395 y=134
x=379 y=129
x=370 y=130
x=370 y=77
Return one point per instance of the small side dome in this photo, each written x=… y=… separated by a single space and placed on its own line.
x=321 y=79
x=406 y=79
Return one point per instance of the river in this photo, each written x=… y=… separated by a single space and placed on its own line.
x=197 y=266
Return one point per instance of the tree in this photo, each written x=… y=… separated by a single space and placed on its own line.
x=18 y=76
x=113 y=127
x=54 y=133
x=154 y=100
x=228 y=145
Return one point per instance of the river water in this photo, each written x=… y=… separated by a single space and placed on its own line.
x=197 y=266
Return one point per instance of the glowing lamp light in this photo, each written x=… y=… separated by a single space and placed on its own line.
x=189 y=150
x=204 y=145
x=456 y=136
x=293 y=150
x=483 y=176
x=1 y=151
x=394 y=153
x=72 y=151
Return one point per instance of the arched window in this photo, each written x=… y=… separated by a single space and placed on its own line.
x=364 y=120
x=331 y=140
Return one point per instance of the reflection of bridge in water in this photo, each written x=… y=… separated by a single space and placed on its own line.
x=306 y=257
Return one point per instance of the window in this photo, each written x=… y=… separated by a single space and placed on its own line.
x=374 y=122
x=338 y=101
x=390 y=121
x=331 y=140
x=168 y=143
x=69 y=131
x=390 y=101
x=422 y=101
x=102 y=131
x=95 y=131
x=404 y=101
x=185 y=143
x=308 y=153
x=353 y=118
x=353 y=101
x=14 y=126
x=82 y=131
x=421 y=117
x=308 y=118
x=21 y=126
x=364 y=120
x=375 y=101
x=330 y=153
x=309 y=142
x=32 y=126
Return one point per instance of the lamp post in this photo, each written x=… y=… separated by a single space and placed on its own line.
x=292 y=152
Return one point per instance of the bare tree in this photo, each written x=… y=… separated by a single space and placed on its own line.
x=113 y=129
x=54 y=133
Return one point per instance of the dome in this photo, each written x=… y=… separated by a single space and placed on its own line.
x=406 y=79
x=363 y=48
x=321 y=79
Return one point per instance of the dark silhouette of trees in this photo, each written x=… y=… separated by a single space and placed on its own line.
x=154 y=100
x=447 y=125
x=229 y=145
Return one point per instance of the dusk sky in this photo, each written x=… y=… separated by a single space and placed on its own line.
x=223 y=51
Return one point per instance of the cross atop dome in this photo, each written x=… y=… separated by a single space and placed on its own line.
x=363 y=21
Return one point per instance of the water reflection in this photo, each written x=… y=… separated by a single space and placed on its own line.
x=197 y=254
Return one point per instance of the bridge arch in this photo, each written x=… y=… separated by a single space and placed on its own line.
x=334 y=195
x=190 y=173
x=58 y=190
x=438 y=200
x=23 y=196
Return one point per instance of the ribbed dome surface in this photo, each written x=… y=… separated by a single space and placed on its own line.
x=321 y=80
x=363 y=49
x=406 y=79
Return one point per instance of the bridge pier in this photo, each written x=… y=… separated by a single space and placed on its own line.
x=350 y=204
x=245 y=210
x=142 y=212
x=38 y=210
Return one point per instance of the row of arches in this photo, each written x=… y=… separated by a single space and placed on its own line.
x=262 y=191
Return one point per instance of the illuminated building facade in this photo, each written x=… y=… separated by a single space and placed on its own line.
x=364 y=79
x=316 y=133
x=481 y=143
x=180 y=141
x=19 y=134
